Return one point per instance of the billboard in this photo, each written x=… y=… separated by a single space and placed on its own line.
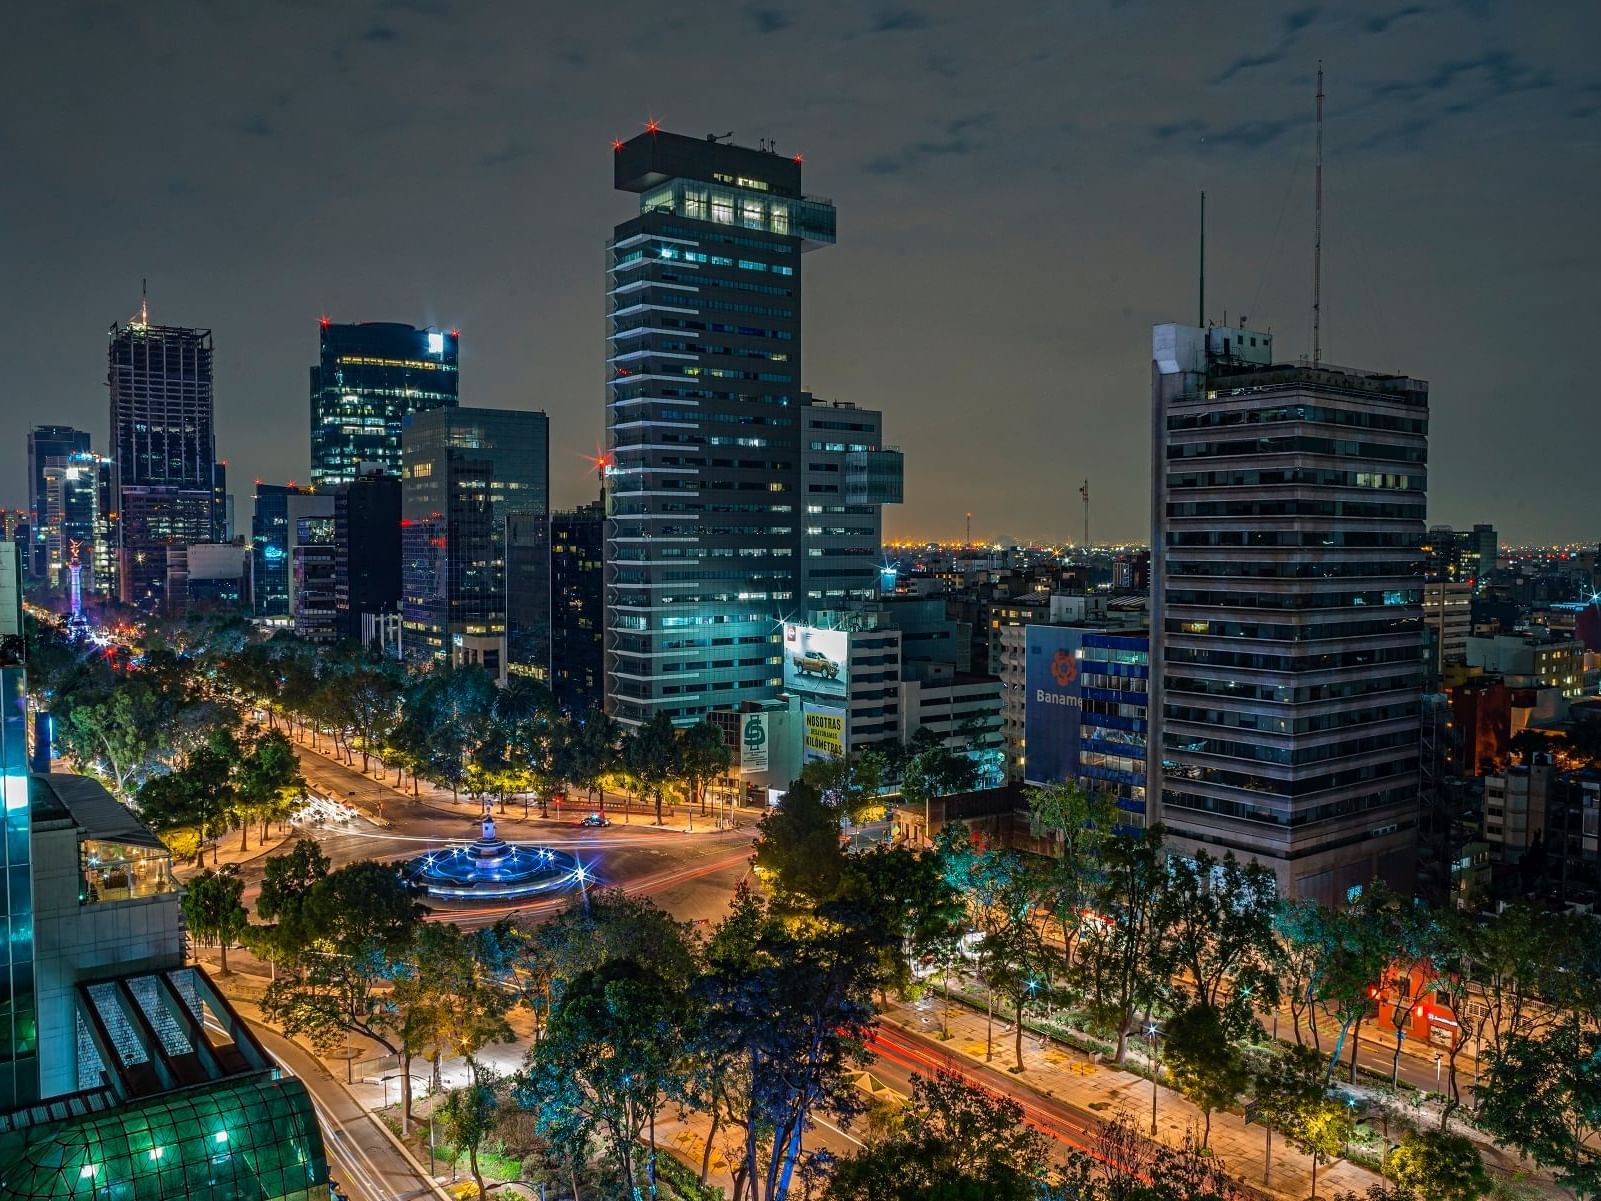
x=753 y=743
x=1054 y=703
x=815 y=661
x=822 y=734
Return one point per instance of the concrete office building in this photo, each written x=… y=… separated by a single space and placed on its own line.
x=1286 y=615
x=847 y=478
x=366 y=550
x=1448 y=619
x=577 y=607
x=465 y=472
x=165 y=475
x=1532 y=659
x=46 y=443
x=368 y=378
x=703 y=428
x=309 y=540
x=209 y=574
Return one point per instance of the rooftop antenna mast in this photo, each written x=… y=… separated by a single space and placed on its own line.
x=1200 y=316
x=969 y=542
x=1084 y=491
x=1317 y=234
x=144 y=301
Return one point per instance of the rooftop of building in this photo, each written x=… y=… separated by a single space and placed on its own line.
x=1233 y=373
x=85 y=802
x=656 y=156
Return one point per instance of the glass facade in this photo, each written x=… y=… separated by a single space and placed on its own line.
x=164 y=451
x=706 y=470
x=255 y=1138
x=367 y=380
x=269 y=548
x=19 y=1017
x=46 y=442
x=465 y=471
x=577 y=614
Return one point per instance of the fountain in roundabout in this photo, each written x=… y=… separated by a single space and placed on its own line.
x=491 y=868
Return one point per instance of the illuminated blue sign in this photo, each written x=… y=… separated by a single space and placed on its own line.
x=1055 y=706
x=272 y=553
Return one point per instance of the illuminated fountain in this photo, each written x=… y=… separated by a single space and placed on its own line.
x=491 y=868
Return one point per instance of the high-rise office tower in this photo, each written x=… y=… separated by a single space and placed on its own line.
x=1286 y=576
x=848 y=477
x=527 y=603
x=19 y=1018
x=366 y=549
x=72 y=519
x=310 y=540
x=465 y=471
x=163 y=449
x=366 y=381
x=577 y=607
x=46 y=442
x=703 y=359
x=269 y=543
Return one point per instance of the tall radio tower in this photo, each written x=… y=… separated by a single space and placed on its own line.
x=1317 y=233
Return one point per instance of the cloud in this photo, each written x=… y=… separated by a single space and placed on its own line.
x=1249 y=62
x=898 y=20
x=1298 y=20
x=769 y=20
x=1247 y=135
x=1379 y=22
x=956 y=142
x=256 y=125
x=380 y=33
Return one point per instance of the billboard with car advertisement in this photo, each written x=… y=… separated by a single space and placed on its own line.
x=815 y=661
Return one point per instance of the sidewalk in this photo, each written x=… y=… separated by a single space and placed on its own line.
x=1101 y=1090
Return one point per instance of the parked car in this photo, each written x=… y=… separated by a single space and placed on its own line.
x=595 y=819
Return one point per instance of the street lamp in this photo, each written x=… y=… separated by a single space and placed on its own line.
x=1151 y=1035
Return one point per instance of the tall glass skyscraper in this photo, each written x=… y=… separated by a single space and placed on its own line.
x=1287 y=663
x=706 y=459
x=269 y=548
x=367 y=380
x=465 y=472
x=19 y=1018
x=163 y=450
x=46 y=442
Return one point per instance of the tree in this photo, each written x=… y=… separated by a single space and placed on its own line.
x=611 y=1051
x=849 y=784
x=591 y=752
x=1123 y=1165
x=798 y=847
x=956 y=1142
x=1126 y=945
x=1541 y=1093
x=907 y=897
x=212 y=911
x=1218 y=916
x=1287 y=1088
x=1360 y=941
x=287 y=879
x=268 y=780
x=790 y=1013
x=469 y=1114
x=120 y=737
x=1322 y=1133
x=1011 y=957
x=1435 y=1166
x=1206 y=1066
x=1081 y=821
x=652 y=757
x=703 y=756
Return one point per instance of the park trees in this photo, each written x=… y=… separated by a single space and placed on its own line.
x=1432 y=1165
x=1541 y=1093
x=799 y=847
x=267 y=781
x=1218 y=918
x=955 y=1142
x=1322 y=1132
x=469 y=1115
x=652 y=758
x=1081 y=821
x=1286 y=1089
x=1206 y=1065
x=212 y=910
x=612 y=1049
x=703 y=756
x=1126 y=945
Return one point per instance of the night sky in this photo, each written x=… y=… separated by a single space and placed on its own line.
x=1017 y=187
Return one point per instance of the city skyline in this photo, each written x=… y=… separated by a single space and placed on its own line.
x=1039 y=226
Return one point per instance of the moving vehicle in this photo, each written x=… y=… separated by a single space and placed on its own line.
x=599 y=820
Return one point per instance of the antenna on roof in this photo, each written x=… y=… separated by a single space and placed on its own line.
x=1317 y=233
x=144 y=302
x=719 y=137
